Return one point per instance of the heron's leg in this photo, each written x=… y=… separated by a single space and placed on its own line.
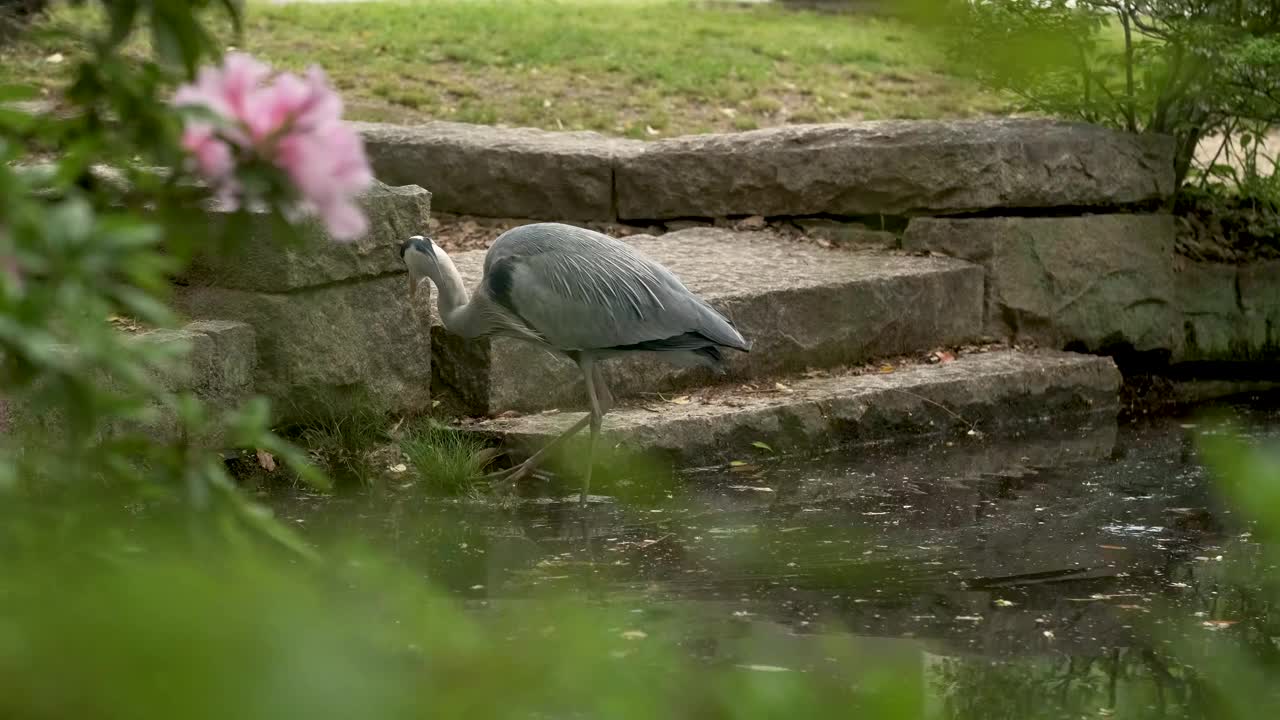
x=525 y=468
x=595 y=389
x=603 y=395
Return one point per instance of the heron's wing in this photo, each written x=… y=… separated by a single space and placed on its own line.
x=583 y=290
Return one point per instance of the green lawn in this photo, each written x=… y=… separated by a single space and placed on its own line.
x=644 y=68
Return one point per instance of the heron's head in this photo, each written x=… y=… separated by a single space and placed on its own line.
x=419 y=255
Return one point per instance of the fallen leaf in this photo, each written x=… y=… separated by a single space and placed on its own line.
x=1218 y=624
x=1001 y=602
x=754 y=488
x=682 y=400
x=886 y=369
x=266 y=461
x=55 y=58
x=765 y=668
x=736 y=463
x=634 y=635
x=1112 y=547
x=398 y=468
x=762 y=446
x=781 y=388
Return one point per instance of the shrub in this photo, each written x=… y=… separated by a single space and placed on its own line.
x=1188 y=68
x=79 y=245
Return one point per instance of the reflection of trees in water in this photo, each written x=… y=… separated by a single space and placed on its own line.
x=1129 y=682
x=1199 y=656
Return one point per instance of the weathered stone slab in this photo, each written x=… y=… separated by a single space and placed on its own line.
x=220 y=362
x=801 y=305
x=982 y=391
x=893 y=168
x=330 y=348
x=1229 y=312
x=1260 y=299
x=1213 y=322
x=501 y=172
x=1096 y=281
x=265 y=262
x=216 y=364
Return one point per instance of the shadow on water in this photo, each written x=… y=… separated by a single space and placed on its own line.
x=1041 y=571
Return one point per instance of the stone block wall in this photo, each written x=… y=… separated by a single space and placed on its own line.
x=332 y=322
x=1066 y=218
x=1096 y=282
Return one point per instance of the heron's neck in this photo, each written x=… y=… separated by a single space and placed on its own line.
x=456 y=311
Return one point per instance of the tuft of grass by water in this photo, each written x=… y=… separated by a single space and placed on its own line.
x=341 y=443
x=639 y=68
x=445 y=460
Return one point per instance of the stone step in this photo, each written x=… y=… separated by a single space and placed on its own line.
x=981 y=392
x=803 y=307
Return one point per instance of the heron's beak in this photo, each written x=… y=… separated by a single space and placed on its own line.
x=413 y=285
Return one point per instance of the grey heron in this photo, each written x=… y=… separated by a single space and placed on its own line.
x=581 y=294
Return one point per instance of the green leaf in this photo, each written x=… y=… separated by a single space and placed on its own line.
x=762 y=446
x=72 y=220
x=123 y=15
x=18 y=93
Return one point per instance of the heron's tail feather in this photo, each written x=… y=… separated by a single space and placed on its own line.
x=720 y=330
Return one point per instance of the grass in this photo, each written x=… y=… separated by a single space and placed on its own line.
x=446 y=461
x=340 y=443
x=642 y=68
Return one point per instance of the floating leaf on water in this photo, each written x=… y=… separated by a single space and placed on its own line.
x=781 y=388
x=754 y=488
x=1218 y=624
x=886 y=369
x=1112 y=547
x=1001 y=602
x=634 y=635
x=682 y=400
x=969 y=618
x=765 y=668
x=1048 y=634
x=736 y=463
x=398 y=468
x=762 y=445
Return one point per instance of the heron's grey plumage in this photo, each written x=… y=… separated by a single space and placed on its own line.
x=582 y=293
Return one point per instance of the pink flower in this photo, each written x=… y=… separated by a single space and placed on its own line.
x=292 y=122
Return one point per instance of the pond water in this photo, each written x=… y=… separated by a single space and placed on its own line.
x=1048 y=571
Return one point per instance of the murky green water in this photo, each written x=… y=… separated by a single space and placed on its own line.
x=1049 y=571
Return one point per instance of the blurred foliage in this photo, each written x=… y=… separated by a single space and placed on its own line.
x=97 y=232
x=1188 y=68
x=16 y=15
